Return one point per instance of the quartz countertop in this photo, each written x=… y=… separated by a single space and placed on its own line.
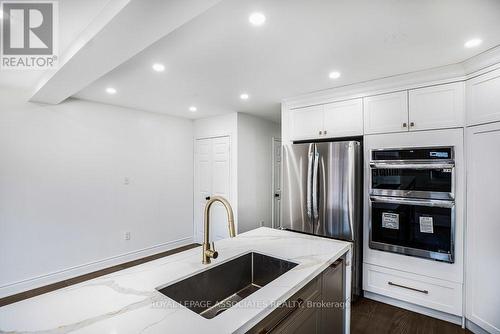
x=127 y=301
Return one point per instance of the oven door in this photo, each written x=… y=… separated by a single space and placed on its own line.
x=416 y=180
x=416 y=227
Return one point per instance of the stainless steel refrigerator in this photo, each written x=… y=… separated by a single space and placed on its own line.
x=321 y=193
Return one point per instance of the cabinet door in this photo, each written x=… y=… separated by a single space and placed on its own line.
x=386 y=113
x=483 y=227
x=437 y=107
x=306 y=321
x=306 y=123
x=482 y=95
x=343 y=119
x=333 y=292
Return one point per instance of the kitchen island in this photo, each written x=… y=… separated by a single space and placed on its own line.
x=128 y=301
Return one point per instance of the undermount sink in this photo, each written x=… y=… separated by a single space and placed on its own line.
x=213 y=291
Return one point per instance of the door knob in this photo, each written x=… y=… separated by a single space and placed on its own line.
x=412 y=124
x=320 y=133
x=404 y=125
x=276 y=195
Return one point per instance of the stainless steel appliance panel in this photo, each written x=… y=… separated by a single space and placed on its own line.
x=298 y=165
x=339 y=190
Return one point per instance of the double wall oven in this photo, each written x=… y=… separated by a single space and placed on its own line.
x=412 y=202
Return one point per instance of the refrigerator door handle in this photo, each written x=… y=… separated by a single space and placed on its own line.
x=315 y=190
x=309 y=181
x=350 y=190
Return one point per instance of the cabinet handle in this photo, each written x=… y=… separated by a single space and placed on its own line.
x=298 y=304
x=404 y=125
x=324 y=132
x=320 y=133
x=408 y=287
x=412 y=124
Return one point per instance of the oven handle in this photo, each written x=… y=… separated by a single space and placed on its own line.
x=407 y=201
x=389 y=165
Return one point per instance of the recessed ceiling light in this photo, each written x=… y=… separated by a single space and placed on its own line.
x=334 y=75
x=257 y=19
x=158 y=67
x=193 y=109
x=111 y=90
x=244 y=96
x=472 y=43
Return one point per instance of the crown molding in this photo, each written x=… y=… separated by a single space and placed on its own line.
x=474 y=66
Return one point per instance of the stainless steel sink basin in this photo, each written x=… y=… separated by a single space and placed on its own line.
x=213 y=291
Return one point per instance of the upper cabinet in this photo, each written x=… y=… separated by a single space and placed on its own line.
x=429 y=108
x=483 y=102
x=386 y=113
x=338 y=119
x=306 y=123
x=437 y=107
x=343 y=119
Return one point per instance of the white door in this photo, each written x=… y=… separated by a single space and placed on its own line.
x=386 y=113
x=437 y=107
x=483 y=227
x=306 y=123
x=343 y=119
x=276 y=182
x=212 y=178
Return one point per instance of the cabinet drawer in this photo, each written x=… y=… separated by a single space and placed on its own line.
x=429 y=292
x=283 y=316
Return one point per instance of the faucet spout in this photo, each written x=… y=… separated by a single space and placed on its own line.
x=209 y=253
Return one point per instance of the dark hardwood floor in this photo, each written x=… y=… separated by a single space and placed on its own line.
x=62 y=284
x=372 y=317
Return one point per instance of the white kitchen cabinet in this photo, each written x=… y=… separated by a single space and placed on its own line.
x=482 y=95
x=337 y=119
x=417 y=289
x=343 y=119
x=306 y=123
x=386 y=113
x=437 y=107
x=483 y=226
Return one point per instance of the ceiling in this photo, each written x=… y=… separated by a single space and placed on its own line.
x=217 y=55
x=74 y=17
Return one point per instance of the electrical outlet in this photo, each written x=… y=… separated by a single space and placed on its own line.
x=127 y=236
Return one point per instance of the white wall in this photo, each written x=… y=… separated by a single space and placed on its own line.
x=63 y=201
x=255 y=193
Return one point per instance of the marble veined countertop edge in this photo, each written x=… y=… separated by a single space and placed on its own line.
x=127 y=301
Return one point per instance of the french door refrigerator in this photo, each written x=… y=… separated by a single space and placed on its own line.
x=321 y=193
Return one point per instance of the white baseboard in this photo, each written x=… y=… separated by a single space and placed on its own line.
x=415 y=308
x=475 y=328
x=42 y=280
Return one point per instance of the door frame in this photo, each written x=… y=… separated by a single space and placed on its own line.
x=275 y=140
